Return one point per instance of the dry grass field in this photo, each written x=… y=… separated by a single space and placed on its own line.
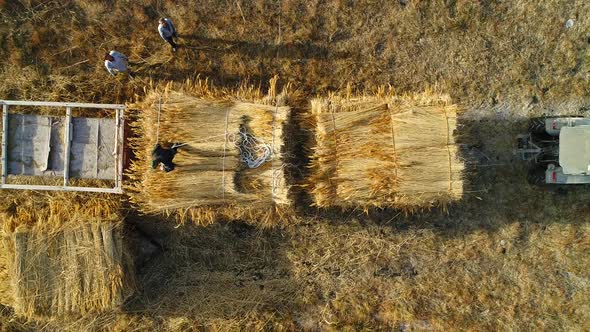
x=507 y=256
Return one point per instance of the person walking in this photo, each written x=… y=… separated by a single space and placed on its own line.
x=115 y=62
x=168 y=32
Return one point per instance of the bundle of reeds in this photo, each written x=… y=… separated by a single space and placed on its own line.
x=385 y=151
x=76 y=269
x=219 y=128
x=55 y=209
x=5 y=293
x=65 y=254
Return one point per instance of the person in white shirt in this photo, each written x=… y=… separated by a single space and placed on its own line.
x=168 y=32
x=115 y=62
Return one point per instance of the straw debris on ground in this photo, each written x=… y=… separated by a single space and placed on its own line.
x=385 y=151
x=222 y=132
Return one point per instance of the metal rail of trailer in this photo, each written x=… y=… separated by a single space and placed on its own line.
x=61 y=145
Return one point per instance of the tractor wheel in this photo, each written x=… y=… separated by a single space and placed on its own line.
x=536 y=176
x=537 y=125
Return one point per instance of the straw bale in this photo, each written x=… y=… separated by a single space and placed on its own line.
x=74 y=269
x=5 y=293
x=385 y=151
x=210 y=179
x=54 y=209
x=63 y=253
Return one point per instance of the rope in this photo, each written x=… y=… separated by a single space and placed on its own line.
x=274 y=116
x=272 y=164
x=253 y=151
x=223 y=161
x=158 y=123
x=449 y=153
x=395 y=166
x=336 y=155
x=280 y=15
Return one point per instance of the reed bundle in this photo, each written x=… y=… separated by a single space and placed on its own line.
x=211 y=178
x=77 y=269
x=64 y=254
x=25 y=208
x=385 y=152
x=5 y=293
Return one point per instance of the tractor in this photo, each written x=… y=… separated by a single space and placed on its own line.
x=558 y=148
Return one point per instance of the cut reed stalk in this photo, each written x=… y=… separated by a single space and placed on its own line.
x=65 y=255
x=5 y=290
x=211 y=178
x=387 y=151
x=73 y=270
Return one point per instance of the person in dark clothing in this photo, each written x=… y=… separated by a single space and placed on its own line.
x=164 y=156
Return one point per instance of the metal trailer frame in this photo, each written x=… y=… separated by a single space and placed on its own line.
x=120 y=125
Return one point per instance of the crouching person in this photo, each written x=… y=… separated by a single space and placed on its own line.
x=164 y=157
x=116 y=62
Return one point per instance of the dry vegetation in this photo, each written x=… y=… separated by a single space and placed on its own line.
x=77 y=269
x=385 y=151
x=5 y=294
x=505 y=257
x=63 y=254
x=211 y=179
x=425 y=281
x=53 y=210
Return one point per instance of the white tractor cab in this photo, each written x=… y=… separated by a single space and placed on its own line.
x=559 y=148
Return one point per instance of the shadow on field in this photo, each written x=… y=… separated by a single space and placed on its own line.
x=303 y=50
x=222 y=271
